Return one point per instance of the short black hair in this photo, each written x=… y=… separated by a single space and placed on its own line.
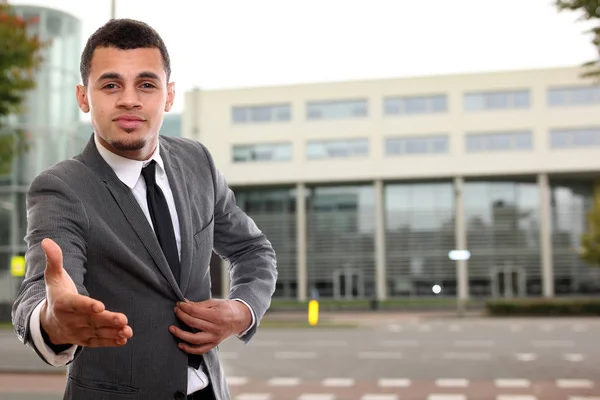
x=124 y=34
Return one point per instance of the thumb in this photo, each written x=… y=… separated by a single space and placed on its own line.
x=54 y=259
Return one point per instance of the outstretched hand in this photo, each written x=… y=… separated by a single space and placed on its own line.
x=216 y=319
x=71 y=318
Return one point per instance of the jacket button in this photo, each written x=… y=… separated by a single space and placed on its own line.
x=180 y=395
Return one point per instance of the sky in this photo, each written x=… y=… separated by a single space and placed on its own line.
x=217 y=44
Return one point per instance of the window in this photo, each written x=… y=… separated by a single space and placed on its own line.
x=499 y=141
x=336 y=109
x=573 y=96
x=577 y=137
x=262 y=152
x=417 y=145
x=337 y=148
x=478 y=101
x=260 y=114
x=415 y=105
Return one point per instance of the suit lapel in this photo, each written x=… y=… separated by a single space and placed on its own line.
x=131 y=210
x=182 y=204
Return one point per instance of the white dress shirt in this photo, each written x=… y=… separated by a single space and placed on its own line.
x=130 y=173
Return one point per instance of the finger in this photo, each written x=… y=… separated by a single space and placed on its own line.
x=197 y=349
x=107 y=333
x=76 y=303
x=89 y=320
x=199 y=338
x=201 y=310
x=96 y=342
x=54 y=260
x=195 y=322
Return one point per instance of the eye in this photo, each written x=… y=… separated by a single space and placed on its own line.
x=147 y=85
x=110 y=86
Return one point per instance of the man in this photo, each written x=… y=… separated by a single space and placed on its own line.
x=120 y=239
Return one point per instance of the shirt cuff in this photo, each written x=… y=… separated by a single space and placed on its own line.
x=57 y=360
x=253 y=317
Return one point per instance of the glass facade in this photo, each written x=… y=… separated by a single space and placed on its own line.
x=50 y=122
x=274 y=211
x=341 y=241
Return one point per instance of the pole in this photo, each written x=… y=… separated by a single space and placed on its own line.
x=113 y=9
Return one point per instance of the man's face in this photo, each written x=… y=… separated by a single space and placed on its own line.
x=127 y=95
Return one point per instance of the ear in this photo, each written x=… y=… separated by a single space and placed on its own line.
x=170 y=96
x=82 y=99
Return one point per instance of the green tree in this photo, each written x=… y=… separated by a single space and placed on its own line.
x=590 y=10
x=19 y=58
x=590 y=241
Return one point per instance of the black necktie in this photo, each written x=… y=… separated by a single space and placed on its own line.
x=163 y=226
x=161 y=219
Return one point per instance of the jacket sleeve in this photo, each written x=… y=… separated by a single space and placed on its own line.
x=53 y=211
x=252 y=260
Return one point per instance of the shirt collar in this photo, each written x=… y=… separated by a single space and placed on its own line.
x=127 y=170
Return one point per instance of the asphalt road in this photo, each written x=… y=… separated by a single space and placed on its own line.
x=433 y=359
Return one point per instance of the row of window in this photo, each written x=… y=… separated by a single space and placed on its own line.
x=422 y=144
x=414 y=105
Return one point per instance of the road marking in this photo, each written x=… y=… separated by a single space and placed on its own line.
x=446 y=397
x=379 y=355
x=379 y=397
x=253 y=396
x=452 y=382
x=317 y=396
x=338 y=382
x=455 y=328
x=391 y=383
x=327 y=343
x=400 y=343
x=296 y=355
x=473 y=343
x=553 y=343
x=526 y=356
x=547 y=328
x=512 y=383
x=227 y=355
x=515 y=397
x=467 y=356
x=236 y=380
x=516 y=328
x=396 y=328
x=574 y=383
x=281 y=381
x=574 y=357
x=583 y=398
x=579 y=328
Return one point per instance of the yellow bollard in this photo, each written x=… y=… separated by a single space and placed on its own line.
x=313 y=312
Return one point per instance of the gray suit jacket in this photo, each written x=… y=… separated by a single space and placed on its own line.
x=112 y=254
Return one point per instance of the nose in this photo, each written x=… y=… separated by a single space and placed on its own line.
x=129 y=98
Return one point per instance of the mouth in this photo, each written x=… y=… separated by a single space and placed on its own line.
x=129 y=121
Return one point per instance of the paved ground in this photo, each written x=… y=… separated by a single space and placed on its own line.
x=389 y=358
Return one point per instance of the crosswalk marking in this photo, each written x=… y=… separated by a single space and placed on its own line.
x=282 y=381
x=574 y=383
x=452 y=382
x=512 y=383
x=391 y=383
x=338 y=382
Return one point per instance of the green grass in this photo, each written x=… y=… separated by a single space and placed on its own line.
x=5 y=325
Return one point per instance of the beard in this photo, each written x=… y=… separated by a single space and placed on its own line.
x=128 y=145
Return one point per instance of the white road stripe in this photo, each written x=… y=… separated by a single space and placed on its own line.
x=296 y=355
x=282 y=381
x=579 y=328
x=400 y=343
x=583 y=398
x=379 y=397
x=317 y=396
x=379 y=355
x=553 y=343
x=338 y=382
x=473 y=343
x=574 y=357
x=396 y=328
x=526 y=356
x=512 y=383
x=516 y=397
x=467 y=356
x=327 y=343
x=574 y=383
x=516 y=328
x=452 y=382
x=446 y=397
x=392 y=383
x=253 y=396
x=547 y=328
x=237 y=380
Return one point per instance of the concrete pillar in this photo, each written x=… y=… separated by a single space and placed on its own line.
x=225 y=280
x=380 y=268
x=301 y=271
x=462 y=275
x=546 y=235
